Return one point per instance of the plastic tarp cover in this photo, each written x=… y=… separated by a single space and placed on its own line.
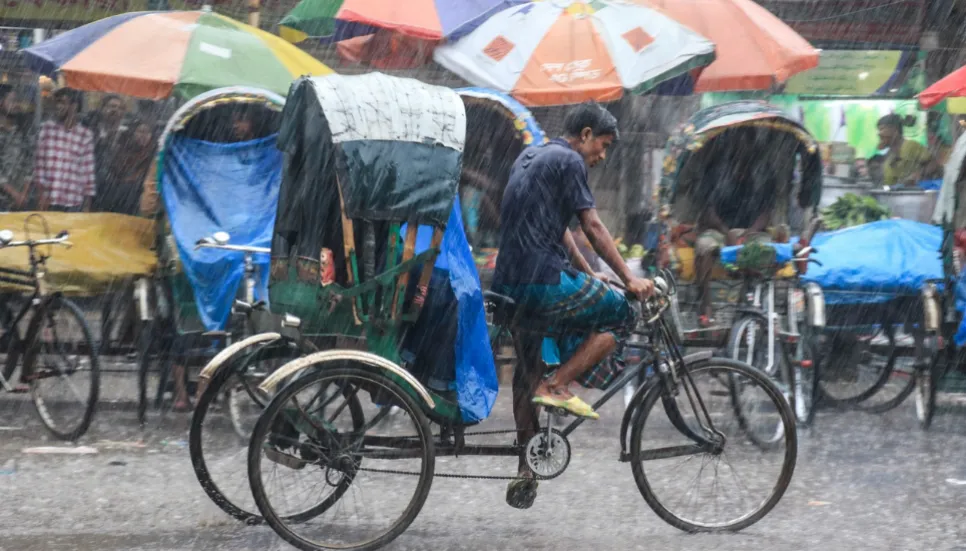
x=960 y=336
x=878 y=261
x=783 y=252
x=210 y=187
x=106 y=247
x=476 y=381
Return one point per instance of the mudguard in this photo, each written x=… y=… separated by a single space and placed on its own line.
x=365 y=358
x=222 y=357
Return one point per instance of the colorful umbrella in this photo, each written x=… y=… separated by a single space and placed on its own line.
x=156 y=55
x=755 y=49
x=568 y=51
x=432 y=20
x=952 y=85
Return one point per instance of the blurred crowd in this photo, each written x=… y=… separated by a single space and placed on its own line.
x=72 y=160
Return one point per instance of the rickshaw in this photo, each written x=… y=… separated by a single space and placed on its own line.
x=745 y=282
x=218 y=187
x=944 y=299
x=367 y=213
x=503 y=127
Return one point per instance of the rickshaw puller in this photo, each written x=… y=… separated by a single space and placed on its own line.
x=547 y=189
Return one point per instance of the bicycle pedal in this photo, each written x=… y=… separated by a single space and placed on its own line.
x=558 y=412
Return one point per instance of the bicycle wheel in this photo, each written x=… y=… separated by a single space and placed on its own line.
x=11 y=345
x=854 y=371
x=218 y=453
x=672 y=495
x=748 y=344
x=62 y=367
x=807 y=365
x=391 y=463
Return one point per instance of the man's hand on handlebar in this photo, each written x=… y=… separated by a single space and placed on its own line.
x=640 y=287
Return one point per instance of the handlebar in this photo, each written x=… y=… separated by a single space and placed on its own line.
x=62 y=239
x=220 y=241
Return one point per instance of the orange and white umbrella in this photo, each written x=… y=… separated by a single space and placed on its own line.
x=555 y=52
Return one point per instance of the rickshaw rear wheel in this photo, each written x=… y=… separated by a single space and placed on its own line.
x=234 y=499
x=855 y=393
x=353 y=458
x=926 y=378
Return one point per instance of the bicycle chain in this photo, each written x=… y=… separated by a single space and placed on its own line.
x=453 y=475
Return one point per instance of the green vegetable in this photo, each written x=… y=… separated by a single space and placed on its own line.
x=852 y=210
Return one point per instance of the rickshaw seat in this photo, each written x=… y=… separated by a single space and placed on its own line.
x=501 y=306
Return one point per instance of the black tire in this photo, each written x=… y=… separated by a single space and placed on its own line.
x=144 y=357
x=859 y=393
x=729 y=369
x=363 y=378
x=737 y=351
x=806 y=389
x=56 y=310
x=244 y=512
x=872 y=405
x=10 y=342
x=926 y=379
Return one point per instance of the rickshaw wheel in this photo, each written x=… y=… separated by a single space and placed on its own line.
x=926 y=392
x=838 y=364
x=290 y=437
x=223 y=476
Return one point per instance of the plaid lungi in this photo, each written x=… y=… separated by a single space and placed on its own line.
x=578 y=305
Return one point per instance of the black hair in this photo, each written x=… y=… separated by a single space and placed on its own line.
x=5 y=90
x=590 y=115
x=109 y=98
x=72 y=95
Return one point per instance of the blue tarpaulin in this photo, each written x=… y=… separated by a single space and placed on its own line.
x=476 y=383
x=210 y=187
x=878 y=261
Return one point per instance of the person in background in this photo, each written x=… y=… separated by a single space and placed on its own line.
x=906 y=160
x=16 y=154
x=106 y=125
x=132 y=162
x=242 y=125
x=64 y=162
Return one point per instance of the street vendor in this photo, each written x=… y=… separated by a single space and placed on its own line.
x=739 y=198
x=906 y=161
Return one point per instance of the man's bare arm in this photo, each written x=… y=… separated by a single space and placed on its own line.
x=603 y=243
x=578 y=259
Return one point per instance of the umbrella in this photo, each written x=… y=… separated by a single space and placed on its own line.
x=952 y=85
x=431 y=20
x=568 y=51
x=755 y=49
x=155 y=55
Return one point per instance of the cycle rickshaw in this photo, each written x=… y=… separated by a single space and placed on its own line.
x=751 y=285
x=944 y=371
x=217 y=176
x=366 y=219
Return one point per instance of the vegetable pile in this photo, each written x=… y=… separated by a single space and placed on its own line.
x=852 y=210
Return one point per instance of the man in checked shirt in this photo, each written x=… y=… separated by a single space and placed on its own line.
x=64 y=170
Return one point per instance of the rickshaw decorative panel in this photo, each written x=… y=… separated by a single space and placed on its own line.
x=400 y=145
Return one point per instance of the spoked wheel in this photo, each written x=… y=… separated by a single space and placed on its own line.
x=11 y=345
x=749 y=345
x=855 y=370
x=359 y=487
x=807 y=364
x=218 y=441
x=901 y=384
x=62 y=367
x=726 y=486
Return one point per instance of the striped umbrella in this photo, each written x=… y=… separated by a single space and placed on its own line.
x=567 y=51
x=155 y=55
x=431 y=20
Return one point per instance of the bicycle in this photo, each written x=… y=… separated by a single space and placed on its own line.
x=48 y=314
x=317 y=425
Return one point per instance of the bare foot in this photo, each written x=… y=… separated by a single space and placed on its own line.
x=556 y=392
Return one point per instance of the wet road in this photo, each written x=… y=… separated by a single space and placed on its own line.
x=862 y=482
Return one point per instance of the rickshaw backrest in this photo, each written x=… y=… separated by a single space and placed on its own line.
x=363 y=155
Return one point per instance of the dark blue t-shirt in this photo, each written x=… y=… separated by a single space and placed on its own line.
x=547 y=188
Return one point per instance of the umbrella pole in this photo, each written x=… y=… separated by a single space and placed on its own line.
x=254 y=12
